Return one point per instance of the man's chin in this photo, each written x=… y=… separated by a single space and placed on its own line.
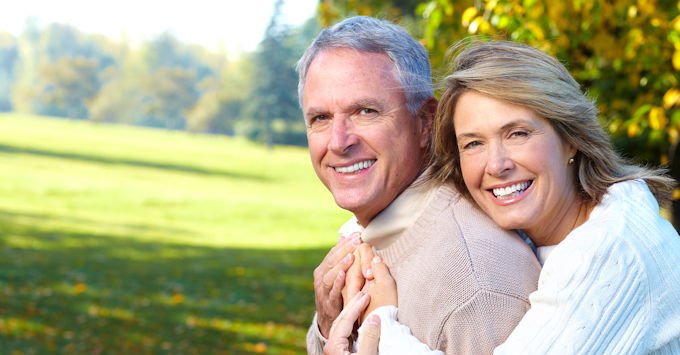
x=364 y=212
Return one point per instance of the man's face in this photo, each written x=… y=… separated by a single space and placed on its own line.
x=365 y=145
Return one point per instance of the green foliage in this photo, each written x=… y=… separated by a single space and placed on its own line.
x=66 y=86
x=223 y=100
x=128 y=240
x=58 y=72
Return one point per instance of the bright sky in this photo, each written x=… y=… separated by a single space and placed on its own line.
x=237 y=26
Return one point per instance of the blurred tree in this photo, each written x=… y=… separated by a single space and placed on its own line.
x=9 y=56
x=170 y=84
x=169 y=93
x=66 y=86
x=223 y=99
x=120 y=98
x=272 y=104
x=59 y=71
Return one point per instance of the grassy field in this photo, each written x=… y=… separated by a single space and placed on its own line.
x=116 y=239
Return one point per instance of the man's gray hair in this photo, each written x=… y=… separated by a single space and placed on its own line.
x=368 y=34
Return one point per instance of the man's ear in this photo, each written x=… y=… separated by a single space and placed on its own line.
x=426 y=117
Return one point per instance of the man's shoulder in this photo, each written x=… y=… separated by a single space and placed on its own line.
x=454 y=213
x=498 y=259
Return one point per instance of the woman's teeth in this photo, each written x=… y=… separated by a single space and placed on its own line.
x=512 y=190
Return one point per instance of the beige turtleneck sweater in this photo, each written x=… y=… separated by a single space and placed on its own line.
x=462 y=282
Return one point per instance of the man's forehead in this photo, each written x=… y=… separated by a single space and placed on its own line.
x=355 y=75
x=355 y=57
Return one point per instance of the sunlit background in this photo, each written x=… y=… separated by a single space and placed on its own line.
x=155 y=192
x=216 y=25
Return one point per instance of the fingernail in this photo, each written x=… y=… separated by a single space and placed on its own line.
x=347 y=258
x=369 y=272
x=373 y=319
x=356 y=240
x=376 y=259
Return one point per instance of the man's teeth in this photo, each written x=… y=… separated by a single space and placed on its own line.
x=355 y=167
x=511 y=190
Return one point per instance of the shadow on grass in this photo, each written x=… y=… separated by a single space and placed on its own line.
x=130 y=162
x=73 y=292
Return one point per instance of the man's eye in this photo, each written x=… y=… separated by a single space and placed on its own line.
x=367 y=111
x=317 y=118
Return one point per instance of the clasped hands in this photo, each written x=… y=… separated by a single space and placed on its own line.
x=349 y=283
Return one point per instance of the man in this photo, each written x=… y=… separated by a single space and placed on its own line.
x=366 y=94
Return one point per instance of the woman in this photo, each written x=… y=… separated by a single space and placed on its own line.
x=516 y=135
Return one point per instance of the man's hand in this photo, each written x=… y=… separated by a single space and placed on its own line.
x=338 y=340
x=329 y=279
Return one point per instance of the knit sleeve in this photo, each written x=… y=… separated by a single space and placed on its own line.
x=592 y=298
x=482 y=323
x=315 y=341
x=396 y=338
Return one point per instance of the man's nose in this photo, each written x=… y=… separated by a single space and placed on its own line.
x=342 y=135
x=498 y=161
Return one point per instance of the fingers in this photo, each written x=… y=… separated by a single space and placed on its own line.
x=366 y=255
x=380 y=271
x=343 y=325
x=354 y=280
x=337 y=254
x=329 y=278
x=344 y=247
x=369 y=336
x=382 y=288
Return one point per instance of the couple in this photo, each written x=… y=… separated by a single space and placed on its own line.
x=515 y=147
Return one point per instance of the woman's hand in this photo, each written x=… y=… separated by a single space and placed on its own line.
x=338 y=340
x=382 y=288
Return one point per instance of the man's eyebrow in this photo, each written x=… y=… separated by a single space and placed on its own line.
x=313 y=111
x=366 y=102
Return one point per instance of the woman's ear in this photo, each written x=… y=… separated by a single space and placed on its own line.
x=571 y=151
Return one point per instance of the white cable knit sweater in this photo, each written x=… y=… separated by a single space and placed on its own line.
x=611 y=287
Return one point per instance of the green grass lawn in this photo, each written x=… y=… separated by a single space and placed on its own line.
x=116 y=239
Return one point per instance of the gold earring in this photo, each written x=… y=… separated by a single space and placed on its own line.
x=571 y=161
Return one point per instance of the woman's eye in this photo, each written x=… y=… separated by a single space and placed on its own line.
x=519 y=134
x=473 y=144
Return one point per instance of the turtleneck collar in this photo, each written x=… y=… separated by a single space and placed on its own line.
x=385 y=228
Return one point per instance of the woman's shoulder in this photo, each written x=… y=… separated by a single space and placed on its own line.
x=624 y=234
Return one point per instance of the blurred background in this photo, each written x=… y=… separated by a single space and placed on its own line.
x=155 y=192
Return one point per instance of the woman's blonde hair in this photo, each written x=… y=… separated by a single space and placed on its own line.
x=522 y=75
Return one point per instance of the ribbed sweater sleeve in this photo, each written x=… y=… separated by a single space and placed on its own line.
x=466 y=331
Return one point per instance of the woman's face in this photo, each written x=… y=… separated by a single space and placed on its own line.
x=516 y=168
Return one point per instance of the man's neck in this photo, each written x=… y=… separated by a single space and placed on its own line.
x=399 y=215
